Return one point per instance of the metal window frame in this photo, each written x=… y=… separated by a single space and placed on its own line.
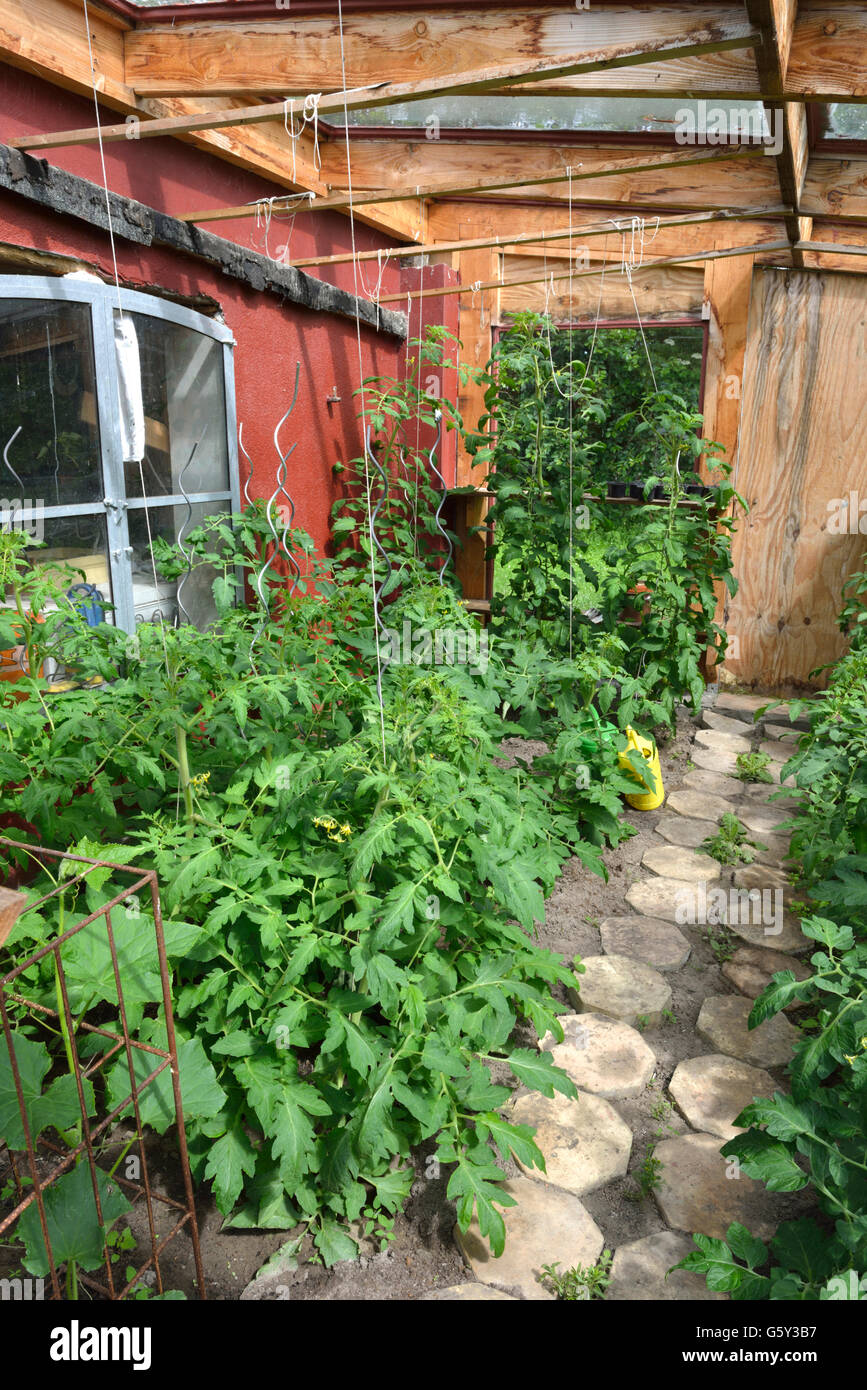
x=103 y=299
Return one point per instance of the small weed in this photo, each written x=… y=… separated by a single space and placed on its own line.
x=641 y=1022
x=646 y=1177
x=669 y=1016
x=721 y=942
x=582 y=1281
x=753 y=767
x=661 y=1110
x=731 y=844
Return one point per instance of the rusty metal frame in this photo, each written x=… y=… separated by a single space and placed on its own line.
x=109 y=1288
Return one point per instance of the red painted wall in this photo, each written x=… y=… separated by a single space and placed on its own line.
x=270 y=336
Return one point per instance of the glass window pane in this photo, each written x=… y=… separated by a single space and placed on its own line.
x=184 y=405
x=80 y=542
x=149 y=525
x=846 y=121
x=529 y=112
x=47 y=393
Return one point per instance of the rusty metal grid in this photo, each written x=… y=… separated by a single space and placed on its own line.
x=91 y=1130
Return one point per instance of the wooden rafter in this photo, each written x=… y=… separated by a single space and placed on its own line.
x=655 y=164
x=825 y=50
x=659 y=264
x=403 y=165
x=596 y=229
x=776 y=21
x=393 y=93
x=48 y=38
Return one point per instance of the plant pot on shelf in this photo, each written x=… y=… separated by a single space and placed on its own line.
x=636 y=490
x=617 y=489
x=698 y=490
x=638 y=610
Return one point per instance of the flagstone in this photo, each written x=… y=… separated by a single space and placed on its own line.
x=699 y=805
x=651 y=940
x=699 y=1190
x=710 y=1092
x=673 y=861
x=547 y=1226
x=585 y=1142
x=723 y=1022
x=726 y=743
x=671 y=899
x=752 y=968
x=640 y=1271
x=603 y=1056
x=621 y=988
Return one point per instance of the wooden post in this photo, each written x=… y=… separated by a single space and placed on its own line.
x=727 y=297
x=479 y=311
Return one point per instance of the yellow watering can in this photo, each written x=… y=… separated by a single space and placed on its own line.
x=649 y=800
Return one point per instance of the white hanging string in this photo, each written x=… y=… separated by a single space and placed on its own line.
x=290 y=204
x=355 y=268
x=146 y=508
x=628 y=265
x=309 y=116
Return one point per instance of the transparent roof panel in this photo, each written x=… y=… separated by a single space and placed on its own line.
x=846 y=121
x=528 y=112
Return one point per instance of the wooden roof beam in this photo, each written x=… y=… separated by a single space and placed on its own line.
x=48 y=38
x=513 y=165
x=775 y=19
x=392 y=93
x=596 y=229
x=693 y=258
x=625 y=165
x=824 y=49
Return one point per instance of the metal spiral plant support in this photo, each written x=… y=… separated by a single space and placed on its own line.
x=278 y=536
x=187 y=556
x=9 y=444
x=442 y=530
x=248 y=499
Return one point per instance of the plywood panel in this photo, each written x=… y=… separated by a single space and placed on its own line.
x=666 y=293
x=803 y=443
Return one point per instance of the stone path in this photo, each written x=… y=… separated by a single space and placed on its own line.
x=626 y=989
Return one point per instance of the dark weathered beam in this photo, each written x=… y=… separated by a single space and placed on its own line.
x=61 y=192
x=775 y=20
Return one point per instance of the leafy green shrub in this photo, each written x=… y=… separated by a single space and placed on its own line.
x=557 y=543
x=352 y=935
x=815 y=1135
